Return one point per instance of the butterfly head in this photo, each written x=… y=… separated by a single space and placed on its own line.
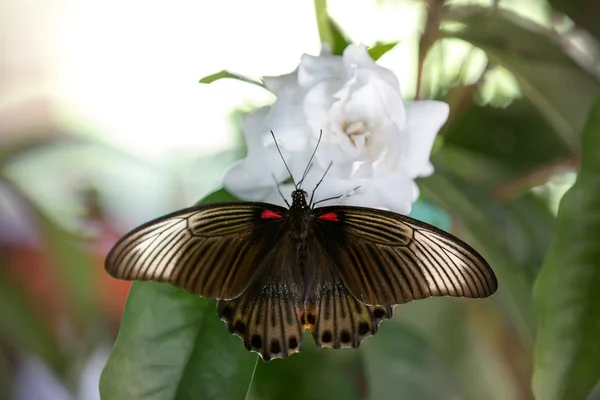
x=299 y=199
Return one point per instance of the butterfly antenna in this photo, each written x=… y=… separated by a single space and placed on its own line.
x=283 y=159
x=333 y=198
x=279 y=190
x=310 y=160
x=318 y=183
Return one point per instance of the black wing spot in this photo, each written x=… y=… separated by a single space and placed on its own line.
x=226 y=312
x=326 y=337
x=256 y=342
x=239 y=328
x=379 y=313
x=363 y=328
x=311 y=319
x=275 y=347
x=293 y=343
x=345 y=336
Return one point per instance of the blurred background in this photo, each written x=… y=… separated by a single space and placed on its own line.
x=103 y=125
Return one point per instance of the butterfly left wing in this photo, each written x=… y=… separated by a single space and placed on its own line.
x=211 y=250
x=267 y=315
x=385 y=258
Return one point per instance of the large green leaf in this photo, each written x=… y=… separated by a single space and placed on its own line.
x=567 y=352
x=401 y=364
x=313 y=374
x=558 y=87
x=396 y=363
x=172 y=345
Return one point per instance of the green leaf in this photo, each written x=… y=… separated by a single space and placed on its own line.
x=400 y=363
x=567 y=351
x=313 y=374
x=379 y=49
x=172 y=345
x=329 y=31
x=559 y=88
x=528 y=225
x=217 y=196
x=224 y=74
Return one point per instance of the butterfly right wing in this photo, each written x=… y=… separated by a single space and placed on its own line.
x=334 y=316
x=211 y=250
x=336 y=319
x=386 y=258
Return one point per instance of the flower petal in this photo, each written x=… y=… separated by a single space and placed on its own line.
x=395 y=191
x=276 y=84
x=313 y=70
x=423 y=121
x=255 y=172
x=358 y=55
x=286 y=119
x=317 y=103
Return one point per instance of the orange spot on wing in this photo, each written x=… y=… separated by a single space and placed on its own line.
x=308 y=317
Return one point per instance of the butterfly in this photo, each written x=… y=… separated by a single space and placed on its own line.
x=337 y=271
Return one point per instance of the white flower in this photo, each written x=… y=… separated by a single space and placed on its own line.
x=376 y=144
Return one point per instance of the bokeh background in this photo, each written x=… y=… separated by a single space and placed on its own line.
x=104 y=125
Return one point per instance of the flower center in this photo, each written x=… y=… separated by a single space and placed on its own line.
x=356 y=128
x=357 y=132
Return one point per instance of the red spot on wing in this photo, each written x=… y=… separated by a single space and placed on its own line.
x=330 y=216
x=268 y=214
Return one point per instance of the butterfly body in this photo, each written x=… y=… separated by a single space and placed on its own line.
x=336 y=271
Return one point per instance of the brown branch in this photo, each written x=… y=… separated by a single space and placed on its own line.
x=428 y=38
x=534 y=178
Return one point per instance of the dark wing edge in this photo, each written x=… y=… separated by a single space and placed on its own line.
x=388 y=258
x=208 y=250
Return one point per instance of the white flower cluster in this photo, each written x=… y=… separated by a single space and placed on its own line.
x=372 y=140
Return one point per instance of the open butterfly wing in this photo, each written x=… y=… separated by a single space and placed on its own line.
x=210 y=250
x=333 y=315
x=386 y=258
x=267 y=314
